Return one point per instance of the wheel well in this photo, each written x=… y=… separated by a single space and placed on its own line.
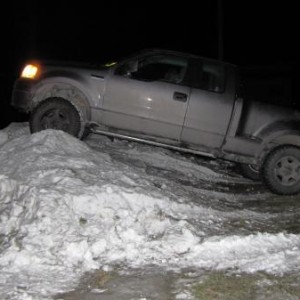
x=64 y=91
x=288 y=139
x=275 y=148
x=281 y=140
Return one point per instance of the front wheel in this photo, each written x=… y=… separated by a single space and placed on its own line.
x=250 y=171
x=56 y=113
x=281 y=170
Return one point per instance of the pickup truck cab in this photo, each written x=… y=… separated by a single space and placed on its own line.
x=169 y=99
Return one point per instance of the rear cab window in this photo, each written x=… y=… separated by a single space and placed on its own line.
x=208 y=75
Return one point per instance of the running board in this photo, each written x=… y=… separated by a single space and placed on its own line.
x=158 y=144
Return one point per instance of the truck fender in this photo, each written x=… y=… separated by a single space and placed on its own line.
x=278 y=139
x=67 y=89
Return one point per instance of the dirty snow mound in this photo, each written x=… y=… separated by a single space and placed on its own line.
x=66 y=209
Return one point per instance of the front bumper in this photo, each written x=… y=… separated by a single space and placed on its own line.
x=22 y=95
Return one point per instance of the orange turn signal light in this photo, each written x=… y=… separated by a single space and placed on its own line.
x=30 y=71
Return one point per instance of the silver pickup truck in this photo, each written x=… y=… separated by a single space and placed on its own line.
x=169 y=99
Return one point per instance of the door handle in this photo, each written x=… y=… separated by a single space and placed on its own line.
x=177 y=96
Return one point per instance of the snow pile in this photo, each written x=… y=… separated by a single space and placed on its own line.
x=66 y=209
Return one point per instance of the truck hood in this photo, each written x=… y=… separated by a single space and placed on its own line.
x=72 y=70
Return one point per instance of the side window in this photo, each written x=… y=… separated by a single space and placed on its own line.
x=210 y=76
x=155 y=68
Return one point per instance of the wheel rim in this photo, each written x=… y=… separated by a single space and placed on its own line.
x=254 y=168
x=287 y=170
x=55 y=119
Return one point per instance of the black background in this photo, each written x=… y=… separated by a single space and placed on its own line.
x=255 y=33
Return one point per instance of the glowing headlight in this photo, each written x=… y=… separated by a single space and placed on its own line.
x=30 y=71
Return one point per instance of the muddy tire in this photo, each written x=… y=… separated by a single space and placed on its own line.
x=56 y=113
x=281 y=170
x=250 y=171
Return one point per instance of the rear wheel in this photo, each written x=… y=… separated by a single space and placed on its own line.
x=56 y=113
x=281 y=170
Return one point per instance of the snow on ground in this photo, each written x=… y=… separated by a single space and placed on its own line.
x=67 y=207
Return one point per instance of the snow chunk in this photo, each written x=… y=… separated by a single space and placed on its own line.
x=3 y=138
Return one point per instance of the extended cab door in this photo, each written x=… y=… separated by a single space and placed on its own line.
x=145 y=95
x=210 y=104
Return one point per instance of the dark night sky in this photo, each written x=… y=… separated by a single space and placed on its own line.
x=255 y=32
